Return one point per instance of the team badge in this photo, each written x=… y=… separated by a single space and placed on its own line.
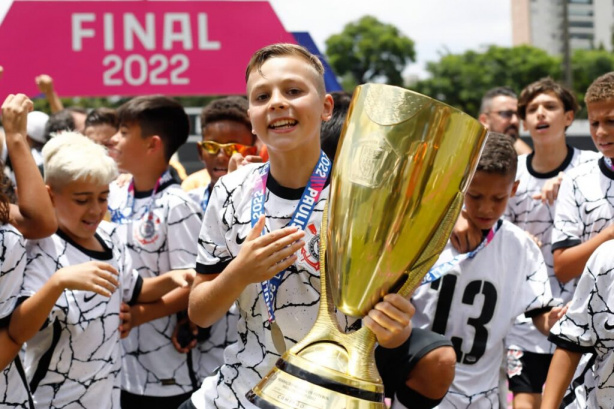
x=146 y=231
x=311 y=250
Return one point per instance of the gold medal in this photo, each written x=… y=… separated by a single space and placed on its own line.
x=278 y=338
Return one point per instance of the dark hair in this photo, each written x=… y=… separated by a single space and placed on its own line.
x=492 y=94
x=330 y=132
x=542 y=86
x=7 y=196
x=60 y=121
x=602 y=89
x=226 y=109
x=102 y=116
x=498 y=155
x=157 y=115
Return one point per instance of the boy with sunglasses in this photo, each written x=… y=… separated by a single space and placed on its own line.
x=226 y=130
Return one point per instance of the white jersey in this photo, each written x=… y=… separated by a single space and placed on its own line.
x=537 y=218
x=226 y=223
x=588 y=324
x=475 y=304
x=585 y=207
x=75 y=359
x=161 y=232
x=223 y=332
x=14 y=390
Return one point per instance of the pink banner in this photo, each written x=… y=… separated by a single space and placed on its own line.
x=130 y=48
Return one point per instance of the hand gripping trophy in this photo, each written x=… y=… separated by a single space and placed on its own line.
x=403 y=163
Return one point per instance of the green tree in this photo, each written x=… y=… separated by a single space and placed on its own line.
x=586 y=66
x=461 y=79
x=369 y=50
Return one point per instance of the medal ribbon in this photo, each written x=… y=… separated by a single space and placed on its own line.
x=608 y=163
x=301 y=215
x=439 y=270
x=204 y=201
x=122 y=215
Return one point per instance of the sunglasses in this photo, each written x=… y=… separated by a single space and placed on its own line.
x=229 y=149
x=507 y=114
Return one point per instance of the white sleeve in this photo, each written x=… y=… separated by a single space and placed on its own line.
x=536 y=296
x=183 y=224
x=13 y=256
x=40 y=267
x=591 y=306
x=566 y=231
x=213 y=254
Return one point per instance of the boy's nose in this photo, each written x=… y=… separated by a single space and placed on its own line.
x=277 y=101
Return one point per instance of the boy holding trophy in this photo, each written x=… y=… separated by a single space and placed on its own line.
x=258 y=245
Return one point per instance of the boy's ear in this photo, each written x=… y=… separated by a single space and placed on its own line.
x=51 y=195
x=155 y=143
x=329 y=105
x=483 y=120
x=514 y=188
x=569 y=117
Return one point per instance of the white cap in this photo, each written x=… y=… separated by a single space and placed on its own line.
x=36 y=125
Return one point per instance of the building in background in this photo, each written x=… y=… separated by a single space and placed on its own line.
x=542 y=23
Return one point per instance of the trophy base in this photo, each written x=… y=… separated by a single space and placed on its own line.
x=289 y=386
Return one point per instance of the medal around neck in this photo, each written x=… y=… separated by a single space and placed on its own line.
x=403 y=163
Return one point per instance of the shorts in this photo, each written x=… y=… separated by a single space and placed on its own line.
x=394 y=365
x=527 y=371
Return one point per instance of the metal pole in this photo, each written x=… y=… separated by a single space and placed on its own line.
x=568 y=75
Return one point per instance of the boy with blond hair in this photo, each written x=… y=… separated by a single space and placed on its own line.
x=70 y=318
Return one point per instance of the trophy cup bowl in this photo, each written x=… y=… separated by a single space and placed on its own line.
x=402 y=165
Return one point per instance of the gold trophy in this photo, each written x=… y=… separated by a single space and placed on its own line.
x=403 y=163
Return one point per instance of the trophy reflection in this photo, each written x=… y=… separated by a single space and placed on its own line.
x=402 y=165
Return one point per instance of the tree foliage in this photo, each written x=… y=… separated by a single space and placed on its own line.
x=461 y=79
x=586 y=66
x=369 y=50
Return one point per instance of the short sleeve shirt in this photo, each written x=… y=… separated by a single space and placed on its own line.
x=474 y=305
x=13 y=388
x=76 y=358
x=589 y=323
x=537 y=218
x=225 y=226
x=161 y=232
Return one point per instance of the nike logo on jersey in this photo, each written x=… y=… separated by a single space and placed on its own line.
x=589 y=211
x=608 y=326
x=89 y=296
x=240 y=240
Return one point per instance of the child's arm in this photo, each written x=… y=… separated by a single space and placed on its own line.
x=8 y=348
x=35 y=216
x=155 y=287
x=569 y=262
x=30 y=315
x=465 y=235
x=560 y=374
x=171 y=303
x=260 y=259
x=45 y=85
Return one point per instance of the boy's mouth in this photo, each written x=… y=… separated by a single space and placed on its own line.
x=542 y=126
x=283 y=123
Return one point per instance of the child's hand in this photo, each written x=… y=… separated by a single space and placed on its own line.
x=123 y=179
x=237 y=160
x=555 y=314
x=15 y=114
x=465 y=235
x=262 y=257
x=185 y=331
x=534 y=238
x=95 y=276
x=390 y=320
x=550 y=191
x=1 y=71
x=44 y=83
x=125 y=320
x=182 y=278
